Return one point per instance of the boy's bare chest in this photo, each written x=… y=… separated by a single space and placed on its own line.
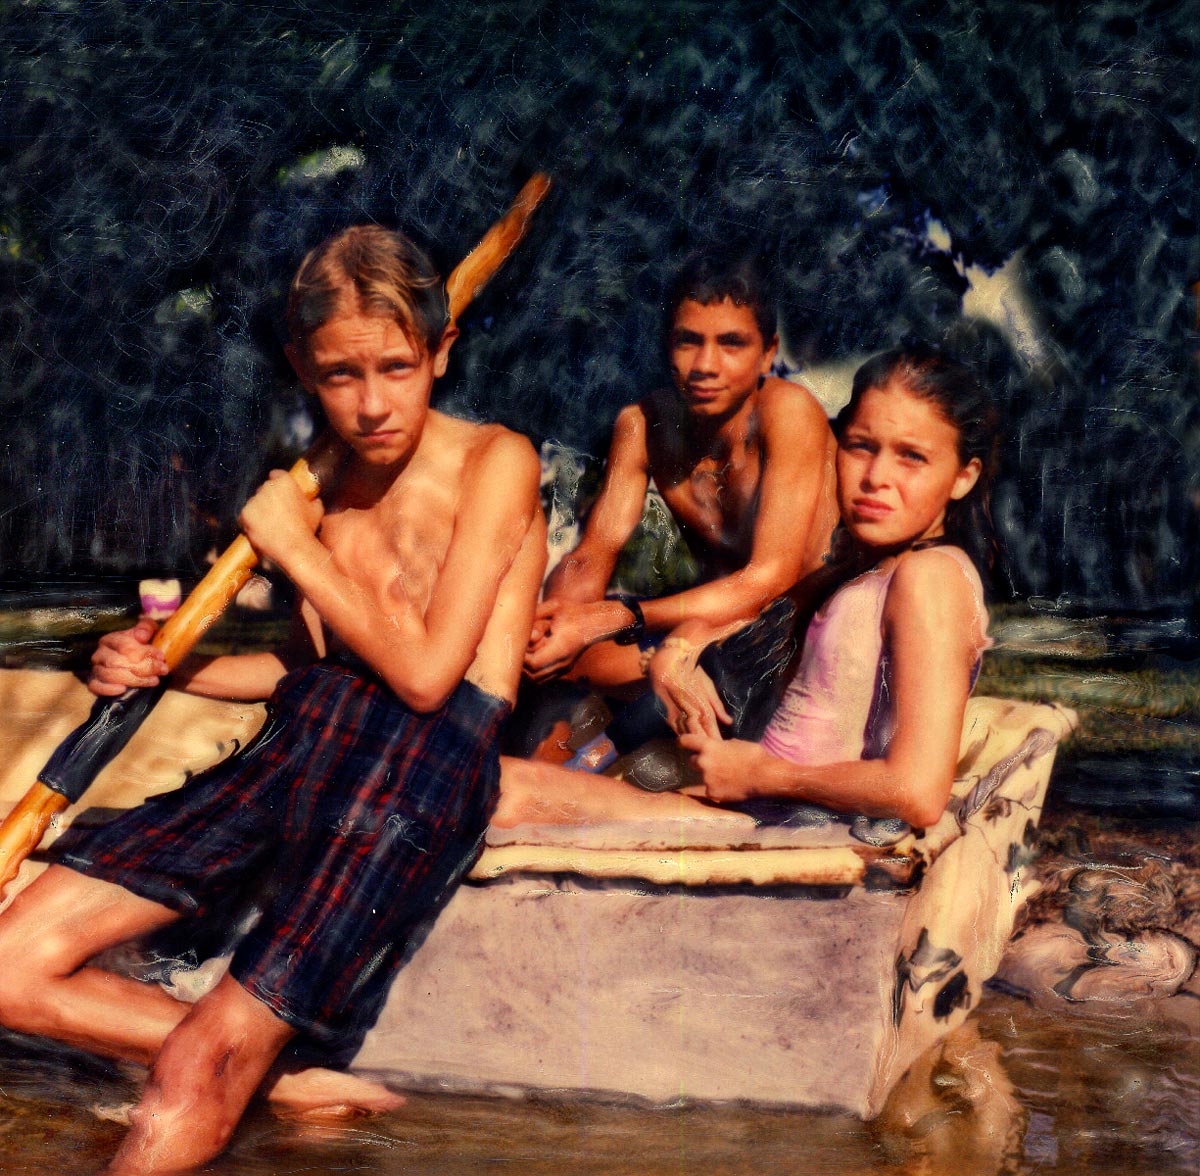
x=395 y=548
x=716 y=500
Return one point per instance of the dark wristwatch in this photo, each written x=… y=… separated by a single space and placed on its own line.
x=631 y=634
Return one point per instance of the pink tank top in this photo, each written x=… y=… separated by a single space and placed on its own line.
x=838 y=707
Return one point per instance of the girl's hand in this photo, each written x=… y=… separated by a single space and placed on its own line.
x=685 y=690
x=126 y=659
x=278 y=516
x=732 y=770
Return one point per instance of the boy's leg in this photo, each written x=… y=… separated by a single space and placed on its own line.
x=47 y=936
x=545 y=794
x=206 y=1072
x=64 y=918
x=611 y=669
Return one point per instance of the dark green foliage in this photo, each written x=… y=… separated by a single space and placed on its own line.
x=167 y=164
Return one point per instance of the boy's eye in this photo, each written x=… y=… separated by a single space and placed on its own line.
x=857 y=445
x=913 y=456
x=733 y=340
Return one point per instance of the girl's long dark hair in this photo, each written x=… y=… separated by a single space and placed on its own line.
x=963 y=402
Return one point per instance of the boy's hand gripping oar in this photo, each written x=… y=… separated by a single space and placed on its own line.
x=79 y=758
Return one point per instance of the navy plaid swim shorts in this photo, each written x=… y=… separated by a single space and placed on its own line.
x=350 y=818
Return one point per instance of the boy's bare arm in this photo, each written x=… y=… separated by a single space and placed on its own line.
x=583 y=575
x=246 y=676
x=796 y=515
x=574 y=613
x=422 y=658
x=126 y=659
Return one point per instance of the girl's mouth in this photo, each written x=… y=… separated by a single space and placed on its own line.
x=871 y=508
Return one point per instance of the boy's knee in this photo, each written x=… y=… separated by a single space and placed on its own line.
x=228 y=1035
x=30 y=963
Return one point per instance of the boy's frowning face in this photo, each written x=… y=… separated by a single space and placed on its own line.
x=373 y=382
x=718 y=356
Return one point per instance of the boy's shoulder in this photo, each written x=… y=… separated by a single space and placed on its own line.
x=780 y=400
x=482 y=449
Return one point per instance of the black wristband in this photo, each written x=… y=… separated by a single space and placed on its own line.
x=631 y=634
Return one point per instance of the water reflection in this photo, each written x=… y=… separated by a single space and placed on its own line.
x=955 y=1110
x=1017 y=1089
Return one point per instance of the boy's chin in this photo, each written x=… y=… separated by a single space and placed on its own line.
x=381 y=455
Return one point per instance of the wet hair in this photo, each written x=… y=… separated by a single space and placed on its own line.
x=963 y=402
x=390 y=275
x=713 y=276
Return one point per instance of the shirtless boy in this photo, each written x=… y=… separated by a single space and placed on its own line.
x=367 y=794
x=743 y=460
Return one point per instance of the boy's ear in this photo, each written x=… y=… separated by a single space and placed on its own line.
x=442 y=356
x=299 y=362
x=964 y=483
x=772 y=346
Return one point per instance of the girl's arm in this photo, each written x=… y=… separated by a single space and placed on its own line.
x=933 y=631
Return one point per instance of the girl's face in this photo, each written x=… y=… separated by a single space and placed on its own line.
x=898 y=468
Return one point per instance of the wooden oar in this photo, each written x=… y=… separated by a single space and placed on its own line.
x=112 y=722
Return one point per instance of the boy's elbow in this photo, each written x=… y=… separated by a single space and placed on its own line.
x=424 y=694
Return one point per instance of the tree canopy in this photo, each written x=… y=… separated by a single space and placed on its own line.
x=168 y=165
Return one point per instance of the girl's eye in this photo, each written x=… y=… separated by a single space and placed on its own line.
x=857 y=445
x=913 y=456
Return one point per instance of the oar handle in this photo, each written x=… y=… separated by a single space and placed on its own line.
x=476 y=269
x=79 y=758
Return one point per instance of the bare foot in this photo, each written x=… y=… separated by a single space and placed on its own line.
x=328 y=1095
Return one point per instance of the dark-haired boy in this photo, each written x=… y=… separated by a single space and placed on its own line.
x=366 y=795
x=744 y=461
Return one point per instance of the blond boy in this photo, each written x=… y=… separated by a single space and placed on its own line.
x=365 y=798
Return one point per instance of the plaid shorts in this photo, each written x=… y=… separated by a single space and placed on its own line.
x=349 y=819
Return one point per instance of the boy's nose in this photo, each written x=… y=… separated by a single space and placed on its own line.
x=371 y=401
x=704 y=361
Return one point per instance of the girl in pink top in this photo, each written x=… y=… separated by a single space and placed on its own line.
x=871 y=721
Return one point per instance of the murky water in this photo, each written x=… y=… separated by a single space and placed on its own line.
x=1016 y=1090
x=1019 y=1089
